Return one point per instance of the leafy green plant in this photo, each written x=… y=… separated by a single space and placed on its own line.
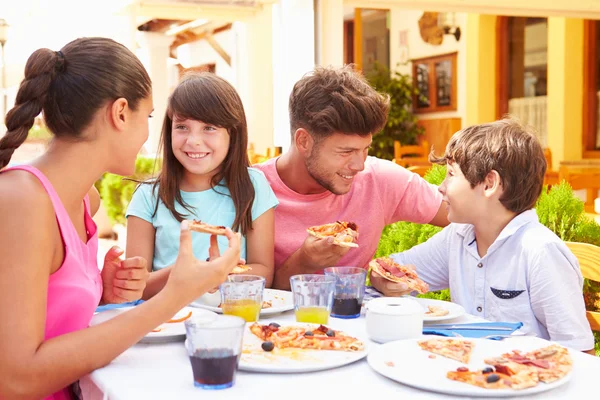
x=116 y=191
x=558 y=209
x=402 y=122
x=39 y=132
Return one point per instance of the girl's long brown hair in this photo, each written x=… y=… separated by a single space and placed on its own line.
x=208 y=98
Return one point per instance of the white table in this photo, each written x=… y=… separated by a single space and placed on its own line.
x=163 y=371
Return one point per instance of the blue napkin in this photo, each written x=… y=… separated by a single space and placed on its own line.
x=475 y=333
x=121 y=305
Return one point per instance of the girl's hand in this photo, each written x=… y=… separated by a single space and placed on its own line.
x=190 y=278
x=123 y=280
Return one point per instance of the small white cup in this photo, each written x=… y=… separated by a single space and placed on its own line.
x=394 y=318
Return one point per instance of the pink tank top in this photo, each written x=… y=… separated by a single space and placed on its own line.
x=75 y=289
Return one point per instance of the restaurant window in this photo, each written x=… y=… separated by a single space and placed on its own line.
x=523 y=71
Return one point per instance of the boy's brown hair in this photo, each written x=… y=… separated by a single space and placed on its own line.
x=330 y=100
x=507 y=147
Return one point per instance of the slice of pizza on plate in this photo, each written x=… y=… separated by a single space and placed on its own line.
x=344 y=234
x=392 y=271
x=455 y=349
x=304 y=337
x=488 y=378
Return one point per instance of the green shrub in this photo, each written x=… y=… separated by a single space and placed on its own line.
x=116 y=191
x=558 y=209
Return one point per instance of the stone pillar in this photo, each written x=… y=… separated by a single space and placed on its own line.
x=330 y=32
x=154 y=52
x=257 y=93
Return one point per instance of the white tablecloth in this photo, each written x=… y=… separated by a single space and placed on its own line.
x=163 y=371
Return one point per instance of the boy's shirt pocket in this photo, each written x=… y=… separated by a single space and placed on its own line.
x=508 y=304
x=506 y=294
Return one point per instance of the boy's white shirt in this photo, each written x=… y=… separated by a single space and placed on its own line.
x=526 y=257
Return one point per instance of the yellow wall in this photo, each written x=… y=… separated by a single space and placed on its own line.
x=565 y=88
x=481 y=69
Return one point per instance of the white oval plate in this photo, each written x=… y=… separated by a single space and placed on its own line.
x=169 y=331
x=413 y=367
x=255 y=359
x=281 y=301
x=456 y=310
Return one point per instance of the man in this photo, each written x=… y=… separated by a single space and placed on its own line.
x=326 y=176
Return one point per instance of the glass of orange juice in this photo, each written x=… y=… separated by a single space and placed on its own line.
x=313 y=297
x=241 y=295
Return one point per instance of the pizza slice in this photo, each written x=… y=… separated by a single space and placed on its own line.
x=299 y=337
x=549 y=363
x=344 y=234
x=199 y=226
x=487 y=378
x=392 y=271
x=436 y=311
x=455 y=349
x=241 y=269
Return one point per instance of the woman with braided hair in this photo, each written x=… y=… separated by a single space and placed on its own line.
x=96 y=99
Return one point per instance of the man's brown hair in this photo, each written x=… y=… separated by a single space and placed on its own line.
x=329 y=100
x=507 y=147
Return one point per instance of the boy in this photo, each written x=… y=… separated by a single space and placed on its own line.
x=499 y=262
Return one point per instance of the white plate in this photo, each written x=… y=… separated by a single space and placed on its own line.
x=255 y=359
x=413 y=367
x=282 y=301
x=456 y=310
x=169 y=332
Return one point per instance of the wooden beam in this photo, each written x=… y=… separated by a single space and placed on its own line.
x=587 y=9
x=217 y=47
x=192 y=36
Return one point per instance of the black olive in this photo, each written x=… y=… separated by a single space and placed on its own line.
x=488 y=370
x=309 y=333
x=267 y=346
x=274 y=325
x=491 y=378
x=330 y=333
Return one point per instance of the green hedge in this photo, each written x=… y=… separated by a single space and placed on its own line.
x=116 y=191
x=558 y=209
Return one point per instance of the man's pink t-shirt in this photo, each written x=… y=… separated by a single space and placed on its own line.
x=381 y=194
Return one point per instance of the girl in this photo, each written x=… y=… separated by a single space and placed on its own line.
x=95 y=97
x=206 y=176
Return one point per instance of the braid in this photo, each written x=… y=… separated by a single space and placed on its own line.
x=39 y=72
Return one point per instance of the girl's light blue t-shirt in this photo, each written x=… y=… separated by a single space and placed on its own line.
x=208 y=206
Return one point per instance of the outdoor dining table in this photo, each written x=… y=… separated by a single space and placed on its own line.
x=163 y=371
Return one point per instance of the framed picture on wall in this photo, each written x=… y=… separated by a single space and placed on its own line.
x=435 y=80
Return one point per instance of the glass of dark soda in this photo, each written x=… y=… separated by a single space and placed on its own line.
x=214 y=347
x=349 y=291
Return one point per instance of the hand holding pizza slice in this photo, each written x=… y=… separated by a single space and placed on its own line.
x=390 y=270
x=199 y=226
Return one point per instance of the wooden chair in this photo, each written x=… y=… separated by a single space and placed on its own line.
x=412 y=155
x=419 y=169
x=582 y=174
x=551 y=177
x=589 y=262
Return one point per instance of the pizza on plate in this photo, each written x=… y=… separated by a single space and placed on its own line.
x=455 y=349
x=518 y=370
x=199 y=226
x=550 y=363
x=304 y=337
x=487 y=378
x=436 y=311
x=392 y=271
x=344 y=234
